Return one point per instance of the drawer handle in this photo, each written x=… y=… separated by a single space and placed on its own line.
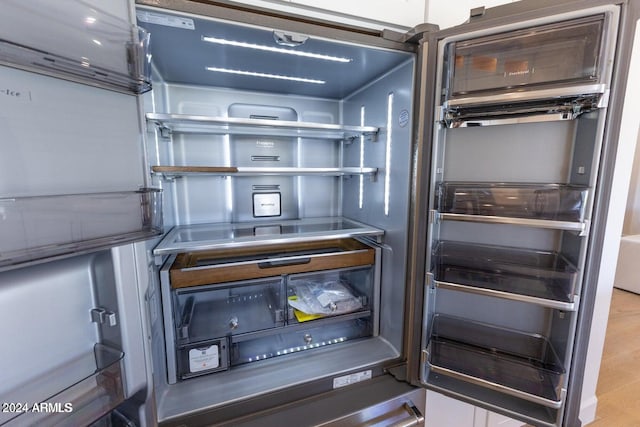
x=284 y=262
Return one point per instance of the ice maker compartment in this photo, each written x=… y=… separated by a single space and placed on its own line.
x=234 y=308
x=535 y=273
x=520 y=364
x=553 y=202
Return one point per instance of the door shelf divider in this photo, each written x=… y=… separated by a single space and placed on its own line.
x=96 y=387
x=550 y=303
x=100 y=49
x=539 y=277
x=213 y=125
x=519 y=364
x=173 y=172
x=42 y=227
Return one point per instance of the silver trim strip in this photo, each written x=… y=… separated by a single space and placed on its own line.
x=563 y=92
x=580 y=227
x=534 y=118
x=184 y=123
x=497 y=387
x=566 y=306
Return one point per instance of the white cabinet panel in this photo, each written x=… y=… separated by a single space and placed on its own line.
x=442 y=13
x=399 y=15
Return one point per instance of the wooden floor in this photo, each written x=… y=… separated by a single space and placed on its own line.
x=618 y=388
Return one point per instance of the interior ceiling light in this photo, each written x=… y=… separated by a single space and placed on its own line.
x=265 y=75
x=275 y=49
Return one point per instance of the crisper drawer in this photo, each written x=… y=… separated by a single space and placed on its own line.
x=553 y=202
x=567 y=52
x=540 y=274
x=233 y=308
x=228 y=265
x=512 y=362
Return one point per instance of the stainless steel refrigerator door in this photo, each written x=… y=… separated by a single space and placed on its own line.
x=461 y=371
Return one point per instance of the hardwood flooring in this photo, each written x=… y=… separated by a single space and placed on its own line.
x=618 y=389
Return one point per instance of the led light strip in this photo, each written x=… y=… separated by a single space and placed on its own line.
x=275 y=49
x=265 y=75
x=387 y=173
x=361 y=193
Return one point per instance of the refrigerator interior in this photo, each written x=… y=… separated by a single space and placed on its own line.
x=512 y=196
x=249 y=160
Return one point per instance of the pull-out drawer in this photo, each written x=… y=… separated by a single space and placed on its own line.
x=241 y=306
x=221 y=266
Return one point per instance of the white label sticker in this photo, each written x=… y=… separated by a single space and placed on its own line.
x=166 y=20
x=351 y=379
x=201 y=359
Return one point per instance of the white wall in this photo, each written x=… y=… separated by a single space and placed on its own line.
x=399 y=15
x=632 y=214
x=447 y=13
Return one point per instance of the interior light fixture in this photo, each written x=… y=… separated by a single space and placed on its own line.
x=275 y=49
x=265 y=75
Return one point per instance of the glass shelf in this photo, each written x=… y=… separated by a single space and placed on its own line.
x=539 y=277
x=99 y=49
x=515 y=363
x=96 y=389
x=202 y=237
x=182 y=123
x=173 y=172
x=35 y=228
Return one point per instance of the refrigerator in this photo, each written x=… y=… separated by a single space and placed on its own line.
x=215 y=214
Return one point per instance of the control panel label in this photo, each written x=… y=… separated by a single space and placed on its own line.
x=351 y=379
x=202 y=359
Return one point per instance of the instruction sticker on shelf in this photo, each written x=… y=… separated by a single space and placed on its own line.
x=351 y=379
x=201 y=359
x=166 y=20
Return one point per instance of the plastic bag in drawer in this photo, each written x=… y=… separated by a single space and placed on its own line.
x=325 y=298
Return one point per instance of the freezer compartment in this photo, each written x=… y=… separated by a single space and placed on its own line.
x=545 y=56
x=294 y=340
x=35 y=228
x=219 y=266
x=97 y=388
x=519 y=364
x=550 y=202
x=233 y=308
x=99 y=48
x=539 y=274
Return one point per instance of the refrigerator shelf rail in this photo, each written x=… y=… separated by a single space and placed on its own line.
x=100 y=49
x=519 y=364
x=202 y=237
x=174 y=172
x=96 y=388
x=559 y=108
x=183 y=123
x=581 y=228
x=41 y=227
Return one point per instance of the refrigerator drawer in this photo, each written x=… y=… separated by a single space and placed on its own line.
x=293 y=340
x=329 y=293
x=519 y=364
x=233 y=308
x=533 y=273
x=552 y=202
x=566 y=52
x=203 y=268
